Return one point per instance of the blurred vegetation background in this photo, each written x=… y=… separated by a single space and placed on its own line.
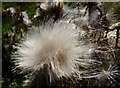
x=14 y=28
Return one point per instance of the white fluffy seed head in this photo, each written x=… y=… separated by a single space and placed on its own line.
x=56 y=46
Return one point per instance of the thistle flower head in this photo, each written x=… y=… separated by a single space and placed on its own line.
x=26 y=19
x=112 y=73
x=11 y=9
x=57 y=46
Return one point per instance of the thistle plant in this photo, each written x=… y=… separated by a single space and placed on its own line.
x=67 y=48
x=56 y=46
x=63 y=49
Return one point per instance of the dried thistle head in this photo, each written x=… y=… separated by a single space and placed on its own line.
x=49 y=10
x=109 y=76
x=56 y=46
